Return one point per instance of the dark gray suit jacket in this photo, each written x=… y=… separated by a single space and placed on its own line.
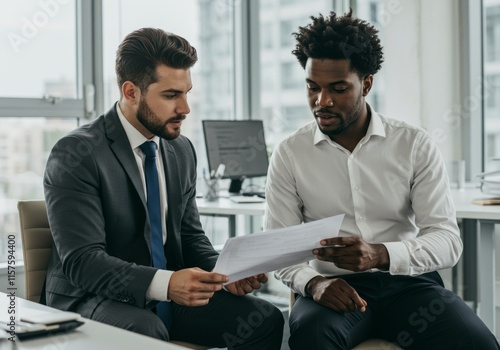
x=99 y=220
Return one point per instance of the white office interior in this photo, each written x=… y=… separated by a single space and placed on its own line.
x=441 y=71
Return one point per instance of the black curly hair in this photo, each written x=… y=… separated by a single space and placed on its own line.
x=340 y=37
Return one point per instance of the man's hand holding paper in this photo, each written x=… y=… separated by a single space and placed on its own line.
x=258 y=253
x=353 y=253
x=247 y=285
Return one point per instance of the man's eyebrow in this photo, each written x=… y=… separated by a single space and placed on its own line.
x=174 y=91
x=332 y=83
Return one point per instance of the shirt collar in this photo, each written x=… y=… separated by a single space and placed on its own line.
x=376 y=127
x=134 y=136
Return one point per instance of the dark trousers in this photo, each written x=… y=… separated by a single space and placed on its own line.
x=227 y=321
x=414 y=312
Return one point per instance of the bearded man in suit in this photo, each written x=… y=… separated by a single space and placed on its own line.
x=129 y=249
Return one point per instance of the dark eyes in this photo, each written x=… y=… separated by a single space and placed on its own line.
x=337 y=90
x=173 y=95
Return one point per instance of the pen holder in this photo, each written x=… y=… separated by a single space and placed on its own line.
x=211 y=190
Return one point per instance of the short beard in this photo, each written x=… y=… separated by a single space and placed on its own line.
x=352 y=117
x=152 y=122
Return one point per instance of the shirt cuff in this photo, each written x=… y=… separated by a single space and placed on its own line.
x=302 y=279
x=158 y=288
x=399 y=258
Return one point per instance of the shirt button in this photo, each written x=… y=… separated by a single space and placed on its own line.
x=360 y=218
x=356 y=188
x=351 y=156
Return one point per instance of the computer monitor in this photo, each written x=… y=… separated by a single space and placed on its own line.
x=239 y=145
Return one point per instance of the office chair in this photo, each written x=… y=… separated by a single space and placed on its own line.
x=37 y=246
x=369 y=344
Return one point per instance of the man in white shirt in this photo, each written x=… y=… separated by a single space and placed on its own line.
x=378 y=279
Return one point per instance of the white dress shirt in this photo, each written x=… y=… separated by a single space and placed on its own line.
x=393 y=189
x=158 y=289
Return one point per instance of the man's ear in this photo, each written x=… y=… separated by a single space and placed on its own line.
x=131 y=92
x=367 y=84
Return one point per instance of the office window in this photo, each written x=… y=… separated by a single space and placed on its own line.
x=284 y=109
x=288 y=2
x=492 y=31
x=295 y=115
x=41 y=66
x=38 y=49
x=292 y=78
x=267 y=35
x=269 y=84
x=491 y=91
x=289 y=26
x=373 y=12
x=369 y=10
x=24 y=147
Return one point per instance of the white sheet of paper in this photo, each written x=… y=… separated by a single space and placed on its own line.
x=249 y=255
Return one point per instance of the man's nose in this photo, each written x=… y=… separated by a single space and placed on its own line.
x=324 y=100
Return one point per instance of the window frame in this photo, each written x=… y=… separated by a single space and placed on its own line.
x=87 y=23
x=471 y=49
x=45 y=107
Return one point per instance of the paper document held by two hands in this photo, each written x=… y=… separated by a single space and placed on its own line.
x=250 y=255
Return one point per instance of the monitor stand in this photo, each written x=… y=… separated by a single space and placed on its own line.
x=235 y=187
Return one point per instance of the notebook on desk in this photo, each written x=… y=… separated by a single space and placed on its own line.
x=486 y=201
x=33 y=322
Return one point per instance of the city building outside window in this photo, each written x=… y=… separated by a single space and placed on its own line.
x=40 y=99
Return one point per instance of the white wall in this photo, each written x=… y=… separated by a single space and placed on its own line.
x=400 y=27
x=440 y=73
x=421 y=67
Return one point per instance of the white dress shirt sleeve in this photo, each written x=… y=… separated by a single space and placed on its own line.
x=283 y=209
x=438 y=244
x=158 y=289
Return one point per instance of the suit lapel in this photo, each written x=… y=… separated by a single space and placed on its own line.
x=174 y=200
x=121 y=148
x=123 y=152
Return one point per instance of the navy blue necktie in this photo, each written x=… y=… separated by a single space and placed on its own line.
x=163 y=309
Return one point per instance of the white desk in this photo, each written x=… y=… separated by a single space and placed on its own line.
x=485 y=217
x=91 y=335
x=226 y=208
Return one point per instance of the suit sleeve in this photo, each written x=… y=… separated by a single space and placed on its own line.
x=73 y=195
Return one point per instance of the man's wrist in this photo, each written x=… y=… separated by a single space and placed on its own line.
x=383 y=262
x=311 y=285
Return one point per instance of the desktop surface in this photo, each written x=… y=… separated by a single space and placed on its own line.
x=466 y=209
x=260 y=194
x=224 y=206
x=91 y=335
x=247 y=199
